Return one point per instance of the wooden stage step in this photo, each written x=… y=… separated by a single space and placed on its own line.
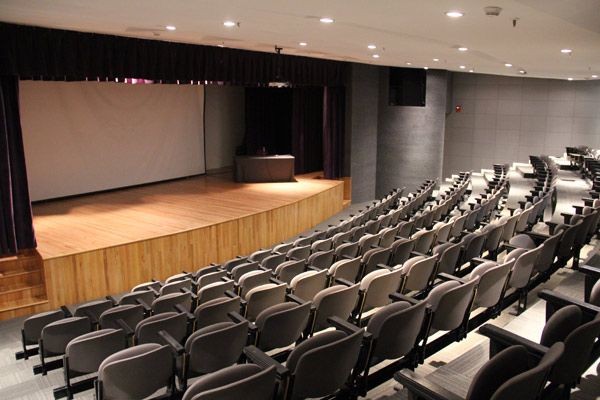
x=22 y=287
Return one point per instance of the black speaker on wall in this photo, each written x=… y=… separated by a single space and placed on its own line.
x=407 y=87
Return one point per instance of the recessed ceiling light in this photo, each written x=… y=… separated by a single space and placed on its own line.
x=436 y=59
x=303 y=44
x=220 y=45
x=454 y=14
x=522 y=72
x=594 y=76
x=471 y=70
x=463 y=48
x=326 y=20
x=170 y=27
x=229 y=24
x=508 y=65
x=375 y=56
x=371 y=47
x=408 y=63
x=566 y=51
x=425 y=67
x=569 y=79
x=462 y=67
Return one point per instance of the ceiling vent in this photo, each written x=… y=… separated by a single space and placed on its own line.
x=492 y=11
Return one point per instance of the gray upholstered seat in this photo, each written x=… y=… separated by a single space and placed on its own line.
x=56 y=335
x=272 y=261
x=418 y=273
x=375 y=289
x=170 y=302
x=595 y=294
x=231 y=264
x=522 y=241
x=216 y=310
x=241 y=269
x=246 y=381
x=374 y=257
x=176 y=286
x=179 y=277
x=214 y=347
x=347 y=269
x=152 y=285
x=307 y=284
x=340 y=238
x=493 y=233
x=251 y=280
x=175 y=324
x=282 y=248
x=286 y=271
x=127 y=374
x=211 y=277
x=93 y=309
x=321 y=259
x=492 y=282
x=214 y=290
x=405 y=228
x=345 y=250
x=262 y=297
x=145 y=297
x=322 y=364
x=450 y=302
x=334 y=301
x=321 y=245
x=259 y=255
x=298 y=253
x=367 y=242
x=442 y=230
x=130 y=314
x=281 y=325
x=448 y=254
x=32 y=326
x=388 y=236
x=424 y=240
x=401 y=250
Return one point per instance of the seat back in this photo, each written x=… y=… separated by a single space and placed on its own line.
x=509 y=227
x=372 y=258
x=244 y=381
x=492 y=282
x=450 y=302
x=130 y=314
x=176 y=287
x=523 y=267
x=143 y=296
x=472 y=246
x=262 y=297
x=299 y=253
x=457 y=226
x=321 y=245
x=241 y=269
x=215 y=346
x=494 y=235
x=116 y=372
x=448 y=254
x=405 y=228
x=546 y=257
x=367 y=242
x=209 y=278
x=307 y=284
x=174 y=323
x=283 y=248
x=347 y=269
x=424 y=240
x=340 y=238
x=334 y=301
x=322 y=364
x=286 y=271
x=271 y=262
x=231 y=264
x=401 y=250
x=56 y=335
x=216 y=310
x=259 y=255
x=86 y=352
x=168 y=302
x=321 y=259
x=418 y=272
x=388 y=236
x=214 y=291
x=378 y=285
x=281 y=325
x=93 y=309
x=506 y=376
x=252 y=279
x=154 y=285
x=32 y=326
x=443 y=230
x=395 y=329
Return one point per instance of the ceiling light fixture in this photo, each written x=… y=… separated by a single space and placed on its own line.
x=462 y=67
x=471 y=70
x=230 y=24
x=463 y=48
x=326 y=20
x=371 y=47
x=303 y=44
x=566 y=51
x=594 y=76
x=170 y=27
x=436 y=59
x=454 y=14
x=408 y=63
x=425 y=68
x=375 y=56
x=522 y=72
x=569 y=79
x=508 y=65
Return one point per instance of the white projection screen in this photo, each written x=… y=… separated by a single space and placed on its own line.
x=83 y=137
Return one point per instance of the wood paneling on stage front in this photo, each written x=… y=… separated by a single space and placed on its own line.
x=85 y=275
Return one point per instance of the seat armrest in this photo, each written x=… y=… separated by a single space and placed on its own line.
x=179 y=308
x=551 y=225
x=125 y=327
x=146 y=306
x=401 y=297
x=230 y=293
x=416 y=254
x=501 y=338
x=421 y=388
x=588 y=201
x=66 y=311
x=478 y=260
x=511 y=210
x=276 y=281
x=186 y=290
x=313 y=268
x=294 y=298
x=590 y=270
x=176 y=347
x=384 y=266
x=578 y=209
x=537 y=237
x=567 y=217
x=344 y=282
x=344 y=326
x=112 y=299
x=261 y=359
x=447 y=277
x=555 y=300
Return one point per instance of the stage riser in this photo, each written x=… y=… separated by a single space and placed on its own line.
x=85 y=276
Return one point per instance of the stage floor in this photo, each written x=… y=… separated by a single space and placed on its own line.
x=104 y=220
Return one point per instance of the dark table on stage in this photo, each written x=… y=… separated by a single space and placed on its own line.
x=264 y=168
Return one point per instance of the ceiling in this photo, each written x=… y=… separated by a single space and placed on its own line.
x=404 y=31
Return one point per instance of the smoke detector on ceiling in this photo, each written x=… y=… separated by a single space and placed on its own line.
x=492 y=11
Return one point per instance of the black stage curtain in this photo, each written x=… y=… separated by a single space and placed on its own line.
x=15 y=215
x=268 y=121
x=334 y=103
x=307 y=129
x=52 y=54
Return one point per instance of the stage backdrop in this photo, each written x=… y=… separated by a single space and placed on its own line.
x=83 y=137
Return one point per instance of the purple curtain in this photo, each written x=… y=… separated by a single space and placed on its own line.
x=16 y=221
x=307 y=129
x=334 y=99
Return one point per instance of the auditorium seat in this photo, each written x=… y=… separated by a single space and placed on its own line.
x=216 y=310
x=246 y=381
x=128 y=314
x=401 y=250
x=151 y=364
x=321 y=259
x=214 y=290
x=375 y=289
x=286 y=271
x=151 y=329
x=373 y=258
x=334 y=301
x=521 y=272
x=298 y=253
x=31 y=332
x=93 y=310
x=448 y=255
x=263 y=297
x=272 y=261
x=282 y=324
x=347 y=269
x=172 y=302
x=54 y=339
x=240 y=269
x=417 y=274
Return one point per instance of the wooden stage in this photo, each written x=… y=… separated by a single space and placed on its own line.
x=106 y=243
